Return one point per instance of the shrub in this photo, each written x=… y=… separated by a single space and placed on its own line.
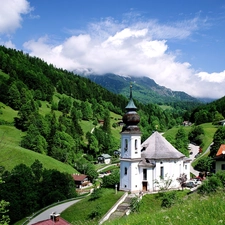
x=210 y=185
x=135 y=204
x=97 y=193
x=168 y=198
x=221 y=175
x=95 y=213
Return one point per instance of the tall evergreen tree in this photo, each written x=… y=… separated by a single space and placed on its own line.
x=14 y=100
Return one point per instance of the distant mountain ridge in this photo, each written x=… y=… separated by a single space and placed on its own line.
x=145 y=89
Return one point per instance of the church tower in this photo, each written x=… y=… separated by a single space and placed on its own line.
x=130 y=149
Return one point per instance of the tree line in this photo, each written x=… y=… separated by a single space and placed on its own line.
x=28 y=189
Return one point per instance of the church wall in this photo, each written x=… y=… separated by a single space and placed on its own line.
x=129 y=176
x=169 y=170
x=149 y=178
x=125 y=172
x=187 y=169
x=135 y=177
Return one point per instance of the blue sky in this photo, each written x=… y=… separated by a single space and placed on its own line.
x=180 y=44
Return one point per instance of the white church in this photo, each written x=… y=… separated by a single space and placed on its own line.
x=148 y=166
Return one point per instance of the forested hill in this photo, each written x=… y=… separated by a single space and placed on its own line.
x=211 y=112
x=28 y=82
x=145 y=89
x=35 y=74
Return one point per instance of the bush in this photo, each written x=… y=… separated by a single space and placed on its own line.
x=168 y=198
x=97 y=193
x=96 y=213
x=135 y=204
x=221 y=175
x=210 y=185
x=111 y=180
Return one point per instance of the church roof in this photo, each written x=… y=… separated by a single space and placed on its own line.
x=157 y=147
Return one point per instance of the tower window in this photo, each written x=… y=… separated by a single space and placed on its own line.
x=144 y=174
x=162 y=172
x=125 y=170
x=126 y=145
x=135 y=143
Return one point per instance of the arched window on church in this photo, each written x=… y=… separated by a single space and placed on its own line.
x=126 y=145
x=135 y=144
x=125 y=171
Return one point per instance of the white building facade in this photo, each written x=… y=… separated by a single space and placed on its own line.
x=149 y=166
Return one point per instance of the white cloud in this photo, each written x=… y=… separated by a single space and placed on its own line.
x=9 y=44
x=11 y=14
x=139 y=49
x=212 y=77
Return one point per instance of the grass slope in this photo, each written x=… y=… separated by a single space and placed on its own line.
x=11 y=154
x=191 y=210
x=208 y=137
x=79 y=213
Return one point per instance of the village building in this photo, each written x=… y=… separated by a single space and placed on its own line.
x=151 y=165
x=220 y=159
x=54 y=219
x=104 y=158
x=80 y=180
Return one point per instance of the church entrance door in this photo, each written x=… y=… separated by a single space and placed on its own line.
x=144 y=185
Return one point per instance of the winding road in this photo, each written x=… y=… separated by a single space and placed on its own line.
x=46 y=214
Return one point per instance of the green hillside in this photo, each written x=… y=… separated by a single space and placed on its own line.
x=11 y=154
x=10 y=138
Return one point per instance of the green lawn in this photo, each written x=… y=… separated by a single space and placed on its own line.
x=191 y=210
x=78 y=213
x=208 y=137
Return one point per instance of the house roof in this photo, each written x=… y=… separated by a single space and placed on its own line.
x=221 y=150
x=157 y=147
x=106 y=156
x=50 y=222
x=79 y=177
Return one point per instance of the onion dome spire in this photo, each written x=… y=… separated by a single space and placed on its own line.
x=131 y=118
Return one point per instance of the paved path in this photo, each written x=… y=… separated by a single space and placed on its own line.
x=194 y=150
x=58 y=209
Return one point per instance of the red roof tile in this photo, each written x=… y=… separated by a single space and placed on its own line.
x=221 y=150
x=50 y=222
x=79 y=177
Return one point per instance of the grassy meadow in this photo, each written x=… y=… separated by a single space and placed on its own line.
x=208 y=137
x=192 y=209
x=188 y=209
x=79 y=213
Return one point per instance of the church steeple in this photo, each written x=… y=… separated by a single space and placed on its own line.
x=130 y=149
x=131 y=118
x=131 y=105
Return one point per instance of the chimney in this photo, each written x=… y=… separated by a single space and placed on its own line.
x=54 y=216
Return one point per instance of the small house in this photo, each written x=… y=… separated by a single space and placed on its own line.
x=54 y=219
x=220 y=159
x=80 y=180
x=104 y=158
